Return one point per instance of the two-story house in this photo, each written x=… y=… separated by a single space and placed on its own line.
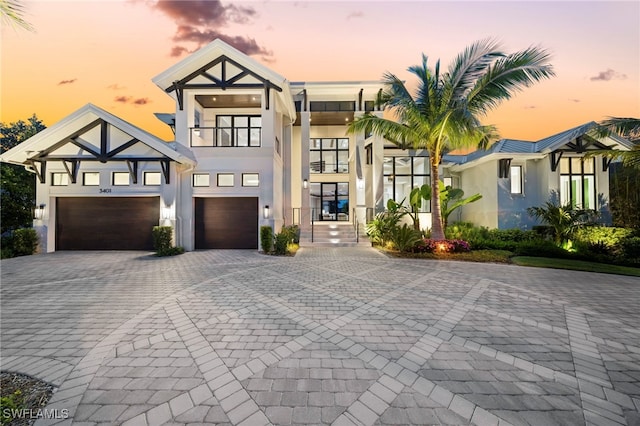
x=252 y=148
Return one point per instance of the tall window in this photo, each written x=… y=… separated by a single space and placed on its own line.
x=329 y=155
x=515 y=174
x=402 y=174
x=578 y=182
x=238 y=130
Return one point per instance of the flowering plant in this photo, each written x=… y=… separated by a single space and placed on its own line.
x=428 y=245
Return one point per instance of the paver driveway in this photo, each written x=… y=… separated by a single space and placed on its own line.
x=342 y=336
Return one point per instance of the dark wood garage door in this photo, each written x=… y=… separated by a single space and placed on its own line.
x=226 y=223
x=115 y=223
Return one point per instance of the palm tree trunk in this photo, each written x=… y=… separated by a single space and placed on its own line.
x=437 y=232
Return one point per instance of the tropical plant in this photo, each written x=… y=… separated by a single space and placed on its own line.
x=453 y=200
x=565 y=220
x=450 y=200
x=12 y=11
x=626 y=127
x=444 y=114
x=404 y=237
x=381 y=228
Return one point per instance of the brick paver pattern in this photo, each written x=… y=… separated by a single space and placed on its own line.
x=331 y=336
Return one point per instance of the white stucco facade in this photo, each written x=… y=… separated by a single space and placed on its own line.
x=246 y=139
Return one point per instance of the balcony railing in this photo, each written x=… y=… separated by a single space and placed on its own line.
x=241 y=137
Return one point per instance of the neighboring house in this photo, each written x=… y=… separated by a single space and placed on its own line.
x=252 y=149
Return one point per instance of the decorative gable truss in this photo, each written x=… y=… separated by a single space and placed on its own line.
x=579 y=145
x=222 y=73
x=98 y=141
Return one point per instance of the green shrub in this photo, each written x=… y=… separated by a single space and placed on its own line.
x=281 y=245
x=405 y=238
x=512 y=235
x=20 y=242
x=382 y=227
x=266 y=238
x=630 y=250
x=542 y=248
x=466 y=231
x=609 y=236
x=292 y=232
x=163 y=241
x=11 y=403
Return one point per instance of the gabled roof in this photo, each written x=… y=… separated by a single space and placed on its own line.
x=82 y=119
x=558 y=140
x=208 y=55
x=527 y=149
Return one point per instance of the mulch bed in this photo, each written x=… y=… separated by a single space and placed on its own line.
x=34 y=394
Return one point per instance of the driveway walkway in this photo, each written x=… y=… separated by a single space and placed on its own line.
x=332 y=336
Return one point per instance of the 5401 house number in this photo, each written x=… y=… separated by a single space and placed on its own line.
x=105 y=190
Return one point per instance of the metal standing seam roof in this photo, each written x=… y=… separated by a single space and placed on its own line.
x=542 y=146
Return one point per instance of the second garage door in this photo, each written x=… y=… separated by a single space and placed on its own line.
x=109 y=223
x=226 y=223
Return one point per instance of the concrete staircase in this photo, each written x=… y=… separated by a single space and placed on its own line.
x=334 y=234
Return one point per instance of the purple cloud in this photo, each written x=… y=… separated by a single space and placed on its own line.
x=356 y=14
x=200 y=22
x=70 y=81
x=609 y=75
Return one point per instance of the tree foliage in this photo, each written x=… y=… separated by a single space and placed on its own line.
x=445 y=111
x=17 y=185
x=12 y=12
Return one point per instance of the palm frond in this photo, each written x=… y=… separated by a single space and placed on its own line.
x=471 y=64
x=12 y=12
x=507 y=76
x=627 y=127
x=393 y=131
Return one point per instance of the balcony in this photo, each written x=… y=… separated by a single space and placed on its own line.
x=241 y=137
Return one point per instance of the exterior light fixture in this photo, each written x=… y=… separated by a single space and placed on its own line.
x=38 y=212
x=265 y=213
x=305 y=183
x=360 y=183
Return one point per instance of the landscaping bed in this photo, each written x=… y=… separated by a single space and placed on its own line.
x=22 y=392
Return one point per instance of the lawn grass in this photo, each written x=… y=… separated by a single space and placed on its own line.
x=576 y=265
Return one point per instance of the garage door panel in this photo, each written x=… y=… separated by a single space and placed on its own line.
x=113 y=223
x=226 y=223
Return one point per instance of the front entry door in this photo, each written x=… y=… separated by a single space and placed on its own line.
x=332 y=200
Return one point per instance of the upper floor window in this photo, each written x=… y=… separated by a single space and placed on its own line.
x=120 y=178
x=91 y=178
x=201 y=179
x=230 y=131
x=152 y=178
x=225 y=179
x=329 y=155
x=578 y=182
x=59 y=179
x=250 y=179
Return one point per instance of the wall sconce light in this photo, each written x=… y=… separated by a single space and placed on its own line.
x=360 y=183
x=38 y=212
x=166 y=213
x=265 y=213
x=305 y=183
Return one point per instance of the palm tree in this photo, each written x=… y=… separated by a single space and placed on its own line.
x=11 y=11
x=444 y=114
x=628 y=128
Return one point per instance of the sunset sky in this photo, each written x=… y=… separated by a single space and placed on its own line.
x=106 y=52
